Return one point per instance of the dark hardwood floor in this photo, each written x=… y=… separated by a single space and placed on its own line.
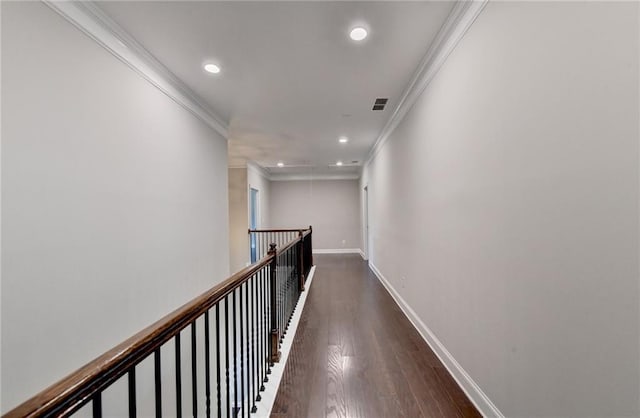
x=355 y=354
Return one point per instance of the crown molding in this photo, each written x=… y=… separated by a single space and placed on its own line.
x=313 y=177
x=91 y=20
x=462 y=16
x=271 y=176
x=259 y=170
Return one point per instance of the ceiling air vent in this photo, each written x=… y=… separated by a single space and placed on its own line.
x=380 y=104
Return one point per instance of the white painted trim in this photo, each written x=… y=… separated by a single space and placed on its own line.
x=259 y=170
x=314 y=177
x=466 y=383
x=364 y=257
x=271 y=388
x=271 y=176
x=462 y=16
x=337 y=251
x=91 y=20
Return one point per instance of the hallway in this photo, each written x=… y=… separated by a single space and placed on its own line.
x=483 y=154
x=355 y=354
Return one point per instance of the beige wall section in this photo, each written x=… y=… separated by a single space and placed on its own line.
x=331 y=206
x=508 y=200
x=238 y=220
x=241 y=180
x=257 y=180
x=114 y=204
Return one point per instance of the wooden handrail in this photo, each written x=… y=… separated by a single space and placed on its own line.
x=289 y=245
x=80 y=387
x=70 y=393
x=279 y=230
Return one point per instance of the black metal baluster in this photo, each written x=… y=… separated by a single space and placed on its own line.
x=254 y=348
x=158 y=382
x=272 y=312
x=289 y=286
x=194 y=369
x=286 y=294
x=218 y=394
x=132 y=392
x=292 y=275
x=266 y=326
x=285 y=306
x=261 y=309
x=248 y=356
x=235 y=357
x=287 y=303
x=293 y=282
x=281 y=283
x=284 y=297
x=226 y=351
x=207 y=365
x=97 y=405
x=289 y=300
x=275 y=305
x=274 y=333
x=241 y=407
x=178 y=378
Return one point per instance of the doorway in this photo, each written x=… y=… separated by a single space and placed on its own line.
x=253 y=222
x=366 y=222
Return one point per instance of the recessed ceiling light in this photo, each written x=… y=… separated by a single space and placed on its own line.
x=343 y=140
x=358 y=33
x=280 y=164
x=339 y=163
x=212 y=68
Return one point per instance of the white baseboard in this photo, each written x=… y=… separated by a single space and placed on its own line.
x=466 y=383
x=364 y=257
x=271 y=388
x=338 y=251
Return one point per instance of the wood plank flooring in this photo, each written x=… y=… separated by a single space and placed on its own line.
x=355 y=354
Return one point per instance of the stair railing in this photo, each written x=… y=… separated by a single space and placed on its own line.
x=259 y=239
x=235 y=331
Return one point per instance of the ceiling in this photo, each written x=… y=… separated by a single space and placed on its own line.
x=292 y=81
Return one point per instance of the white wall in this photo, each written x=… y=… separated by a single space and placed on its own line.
x=508 y=201
x=114 y=201
x=331 y=206
x=238 y=220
